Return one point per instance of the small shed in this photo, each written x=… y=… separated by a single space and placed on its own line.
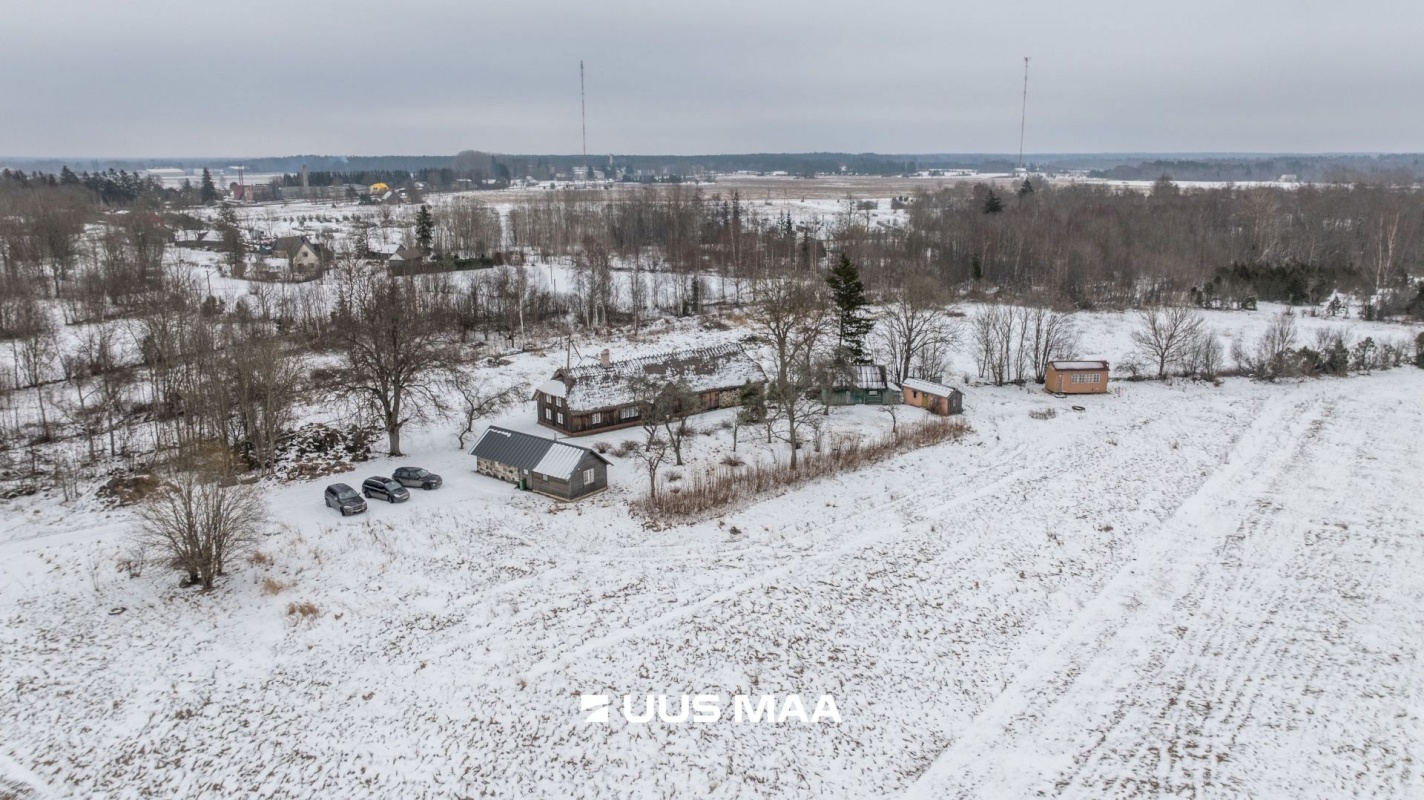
x=935 y=398
x=557 y=469
x=1076 y=377
x=866 y=385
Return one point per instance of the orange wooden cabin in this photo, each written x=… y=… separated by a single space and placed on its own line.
x=1076 y=377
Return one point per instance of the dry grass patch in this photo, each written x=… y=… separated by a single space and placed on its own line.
x=304 y=609
x=725 y=485
x=271 y=586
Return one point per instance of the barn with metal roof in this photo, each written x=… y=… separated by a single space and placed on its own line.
x=557 y=469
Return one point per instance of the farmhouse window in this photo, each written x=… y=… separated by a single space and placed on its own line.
x=548 y=414
x=587 y=477
x=628 y=412
x=595 y=419
x=561 y=418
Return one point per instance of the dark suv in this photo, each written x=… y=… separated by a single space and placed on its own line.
x=385 y=487
x=417 y=476
x=344 y=499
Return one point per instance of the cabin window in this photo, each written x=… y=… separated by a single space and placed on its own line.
x=561 y=418
x=548 y=414
x=588 y=477
x=628 y=412
x=595 y=419
x=1079 y=377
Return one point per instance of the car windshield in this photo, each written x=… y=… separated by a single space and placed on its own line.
x=418 y=473
x=392 y=485
x=345 y=493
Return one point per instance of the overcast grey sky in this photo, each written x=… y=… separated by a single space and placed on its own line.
x=266 y=77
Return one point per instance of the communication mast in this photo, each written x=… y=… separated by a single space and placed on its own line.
x=1023 y=115
x=583 y=118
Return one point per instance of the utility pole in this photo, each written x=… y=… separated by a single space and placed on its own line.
x=1023 y=115
x=583 y=117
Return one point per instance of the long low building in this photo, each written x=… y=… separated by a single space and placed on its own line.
x=558 y=469
x=603 y=396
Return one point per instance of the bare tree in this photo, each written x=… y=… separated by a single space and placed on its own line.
x=200 y=525
x=1272 y=357
x=35 y=352
x=1167 y=336
x=478 y=400
x=791 y=314
x=397 y=359
x=1052 y=336
x=916 y=330
x=263 y=379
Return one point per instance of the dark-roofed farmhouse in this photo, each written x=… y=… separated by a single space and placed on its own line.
x=558 y=469
x=602 y=396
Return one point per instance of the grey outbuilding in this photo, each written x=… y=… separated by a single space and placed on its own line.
x=557 y=469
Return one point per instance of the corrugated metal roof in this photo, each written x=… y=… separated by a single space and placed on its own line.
x=870 y=376
x=534 y=453
x=511 y=448
x=1062 y=365
x=928 y=387
x=560 y=461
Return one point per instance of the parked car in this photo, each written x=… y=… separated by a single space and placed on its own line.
x=417 y=476
x=344 y=499
x=389 y=488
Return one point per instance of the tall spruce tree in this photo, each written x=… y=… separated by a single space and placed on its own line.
x=424 y=230
x=852 y=323
x=207 y=192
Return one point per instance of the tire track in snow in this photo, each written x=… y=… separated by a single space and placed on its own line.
x=1131 y=605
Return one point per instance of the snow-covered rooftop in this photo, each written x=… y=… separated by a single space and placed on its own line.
x=596 y=386
x=1062 y=365
x=928 y=387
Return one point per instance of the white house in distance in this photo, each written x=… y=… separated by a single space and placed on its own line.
x=298 y=251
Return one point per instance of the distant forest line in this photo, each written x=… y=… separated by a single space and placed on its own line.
x=1335 y=168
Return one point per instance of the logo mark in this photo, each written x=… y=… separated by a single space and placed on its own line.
x=596 y=705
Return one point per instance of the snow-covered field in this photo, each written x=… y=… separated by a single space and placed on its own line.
x=1183 y=590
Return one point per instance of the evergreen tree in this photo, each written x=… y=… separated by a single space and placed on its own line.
x=1025 y=188
x=852 y=324
x=424 y=229
x=992 y=203
x=207 y=193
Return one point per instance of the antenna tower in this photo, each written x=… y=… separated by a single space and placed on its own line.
x=583 y=117
x=1023 y=114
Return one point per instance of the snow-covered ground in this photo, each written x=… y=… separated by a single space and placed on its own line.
x=1183 y=590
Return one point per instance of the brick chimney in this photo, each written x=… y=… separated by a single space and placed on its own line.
x=604 y=359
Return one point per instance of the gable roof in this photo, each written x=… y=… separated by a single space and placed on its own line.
x=1063 y=366
x=593 y=386
x=928 y=387
x=866 y=376
x=291 y=245
x=407 y=253
x=534 y=453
